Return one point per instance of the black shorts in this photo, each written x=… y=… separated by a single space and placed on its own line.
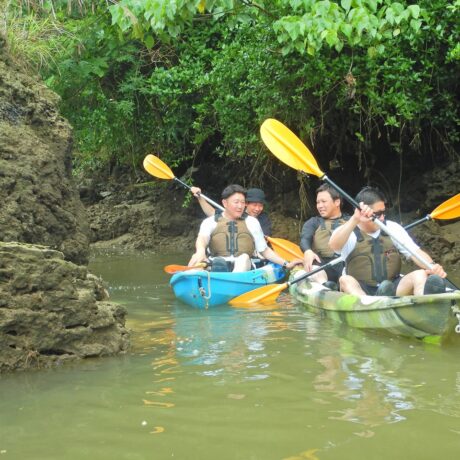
x=334 y=272
x=371 y=290
x=219 y=264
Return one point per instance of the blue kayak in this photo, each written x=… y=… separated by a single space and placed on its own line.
x=204 y=289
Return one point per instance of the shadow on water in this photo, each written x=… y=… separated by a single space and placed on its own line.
x=234 y=384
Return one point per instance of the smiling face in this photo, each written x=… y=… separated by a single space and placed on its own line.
x=327 y=207
x=254 y=209
x=234 y=206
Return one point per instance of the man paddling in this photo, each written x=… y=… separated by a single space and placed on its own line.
x=234 y=237
x=255 y=203
x=373 y=259
x=316 y=231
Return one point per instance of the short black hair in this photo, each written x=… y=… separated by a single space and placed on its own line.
x=370 y=195
x=232 y=189
x=335 y=195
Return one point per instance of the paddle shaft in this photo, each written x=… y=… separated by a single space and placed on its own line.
x=171 y=269
x=383 y=227
x=271 y=291
x=316 y=270
x=211 y=202
x=276 y=241
x=285 y=145
x=417 y=222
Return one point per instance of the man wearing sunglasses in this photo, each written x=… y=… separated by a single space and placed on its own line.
x=373 y=259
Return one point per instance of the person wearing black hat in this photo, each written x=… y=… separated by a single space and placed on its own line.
x=234 y=235
x=255 y=203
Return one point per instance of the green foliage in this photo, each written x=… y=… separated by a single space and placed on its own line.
x=188 y=78
x=380 y=67
x=303 y=26
x=34 y=40
x=353 y=23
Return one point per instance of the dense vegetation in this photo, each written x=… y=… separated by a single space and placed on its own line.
x=358 y=80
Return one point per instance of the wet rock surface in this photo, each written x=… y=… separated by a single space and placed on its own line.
x=52 y=310
x=40 y=203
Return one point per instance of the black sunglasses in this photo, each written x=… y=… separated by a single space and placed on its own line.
x=378 y=214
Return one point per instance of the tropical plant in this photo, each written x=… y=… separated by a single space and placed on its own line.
x=361 y=79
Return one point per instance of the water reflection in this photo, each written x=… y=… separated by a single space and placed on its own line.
x=315 y=386
x=357 y=378
x=223 y=341
x=377 y=380
x=284 y=382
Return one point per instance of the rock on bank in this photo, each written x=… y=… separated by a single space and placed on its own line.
x=39 y=201
x=52 y=310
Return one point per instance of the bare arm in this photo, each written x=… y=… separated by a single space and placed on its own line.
x=205 y=206
x=436 y=270
x=200 y=250
x=341 y=234
x=272 y=256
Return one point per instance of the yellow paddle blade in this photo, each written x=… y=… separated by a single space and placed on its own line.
x=264 y=294
x=173 y=268
x=450 y=209
x=288 y=148
x=285 y=248
x=154 y=166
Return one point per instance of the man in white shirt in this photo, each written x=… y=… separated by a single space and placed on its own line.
x=255 y=203
x=373 y=259
x=234 y=237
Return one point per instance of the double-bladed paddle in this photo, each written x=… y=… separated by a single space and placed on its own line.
x=268 y=294
x=450 y=209
x=288 y=148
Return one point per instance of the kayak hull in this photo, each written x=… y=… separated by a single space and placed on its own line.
x=433 y=318
x=204 y=289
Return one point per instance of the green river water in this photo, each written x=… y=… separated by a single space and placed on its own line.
x=233 y=384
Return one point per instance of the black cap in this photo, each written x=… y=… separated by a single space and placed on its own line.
x=255 y=195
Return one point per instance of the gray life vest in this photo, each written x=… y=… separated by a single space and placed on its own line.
x=373 y=259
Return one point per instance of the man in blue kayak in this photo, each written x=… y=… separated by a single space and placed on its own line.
x=316 y=231
x=373 y=259
x=255 y=203
x=233 y=236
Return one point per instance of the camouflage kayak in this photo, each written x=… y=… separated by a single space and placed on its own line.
x=433 y=318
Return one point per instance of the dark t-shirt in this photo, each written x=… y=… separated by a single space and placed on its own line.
x=309 y=228
x=265 y=223
x=306 y=242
